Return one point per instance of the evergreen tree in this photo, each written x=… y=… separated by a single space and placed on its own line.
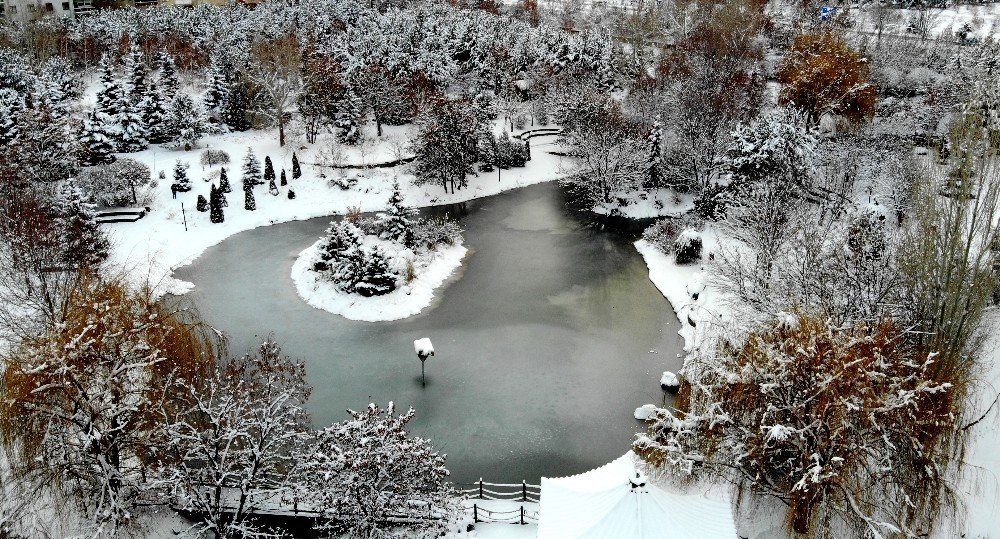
x=348 y=116
x=291 y=194
x=11 y=105
x=655 y=160
x=216 y=203
x=272 y=188
x=96 y=144
x=185 y=123
x=169 y=82
x=202 y=204
x=111 y=96
x=181 y=181
x=131 y=130
x=57 y=86
x=251 y=170
x=249 y=204
x=284 y=180
x=215 y=97
x=340 y=237
x=376 y=277
x=154 y=115
x=296 y=171
x=268 y=170
x=135 y=70
x=398 y=226
x=224 y=186
x=235 y=110
x=83 y=243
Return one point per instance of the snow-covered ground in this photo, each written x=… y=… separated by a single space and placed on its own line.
x=644 y=205
x=940 y=22
x=174 y=234
x=432 y=269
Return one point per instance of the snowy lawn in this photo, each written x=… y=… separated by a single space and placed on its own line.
x=432 y=269
x=167 y=238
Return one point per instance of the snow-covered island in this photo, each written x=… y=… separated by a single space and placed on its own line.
x=386 y=267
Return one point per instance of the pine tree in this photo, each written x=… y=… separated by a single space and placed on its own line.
x=376 y=277
x=236 y=107
x=215 y=97
x=284 y=180
x=296 y=171
x=251 y=169
x=202 y=204
x=135 y=70
x=249 y=204
x=224 y=186
x=83 y=243
x=11 y=105
x=397 y=220
x=57 y=86
x=132 y=130
x=291 y=194
x=216 y=203
x=154 y=115
x=655 y=160
x=111 y=96
x=268 y=170
x=340 y=237
x=181 y=181
x=348 y=115
x=169 y=82
x=96 y=143
x=185 y=123
x=272 y=188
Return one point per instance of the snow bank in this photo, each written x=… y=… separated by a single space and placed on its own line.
x=168 y=238
x=432 y=270
x=669 y=381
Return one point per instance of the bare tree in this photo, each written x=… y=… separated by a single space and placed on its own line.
x=275 y=69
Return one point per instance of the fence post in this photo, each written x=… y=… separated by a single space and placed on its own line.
x=475 y=513
x=480 y=488
x=524 y=493
x=522 y=515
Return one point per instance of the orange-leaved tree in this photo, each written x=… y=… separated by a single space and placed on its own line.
x=822 y=74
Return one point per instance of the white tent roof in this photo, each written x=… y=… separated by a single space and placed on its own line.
x=601 y=503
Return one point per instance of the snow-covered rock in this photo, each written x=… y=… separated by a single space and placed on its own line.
x=645 y=411
x=669 y=381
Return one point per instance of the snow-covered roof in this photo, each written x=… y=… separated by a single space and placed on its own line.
x=602 y=503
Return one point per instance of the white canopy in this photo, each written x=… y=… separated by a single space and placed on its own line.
x=603 y=503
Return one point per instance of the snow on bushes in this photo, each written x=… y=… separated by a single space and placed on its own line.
x=687 y=246
x=381 y=267
x=675 y=236
x=117 y=184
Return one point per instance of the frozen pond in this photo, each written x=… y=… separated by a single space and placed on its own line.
x=547 y=343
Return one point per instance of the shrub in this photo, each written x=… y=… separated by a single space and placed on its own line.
x=115 y=184
x=663 y=233
x=436 y=231
x=344 y=182
x=214 y=157
x=687 y=246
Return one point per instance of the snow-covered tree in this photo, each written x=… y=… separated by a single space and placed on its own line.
x=341 y=236
x=11 y=105
x=284 y=178
x=84 y=244
x=185 y=122
x=251 y=169
x=111 y=96
x=132 y=133
x=274 y=69
x=218 y=87
x=154 y=115
x=235 y=433
x=135 y=73
x=57 y=86
x=397 y=220
x=77 y=397
x=97 y=145
x=375 y=277
x=852 y=427
x=357 y=484
x=296 y=171
x=349 y=115
x=224 y=186
x=216 y=202
x=654 y=161
x=236 y=109
x=182 y=182
x=268 y=170
x=447 y=144
x=249 y=202
x=202 y=203
x=169 y=83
